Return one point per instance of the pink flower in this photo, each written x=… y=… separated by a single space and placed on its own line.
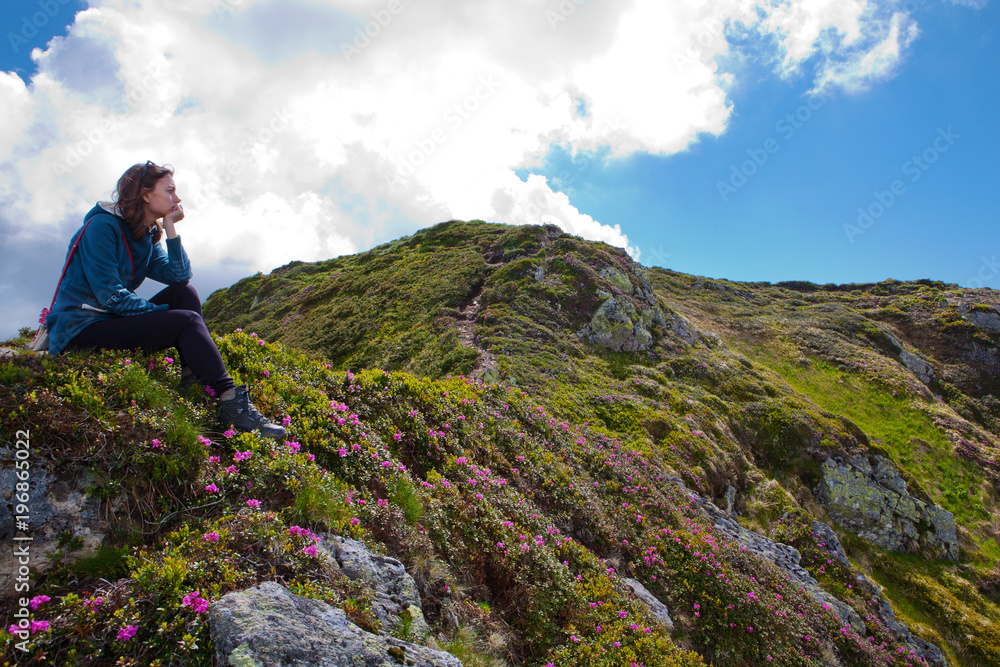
x=266 y=373
x=38 y=601
x=342 y=452
x=127 y=632
x=233 y=470
x=155 y=443
x=253 y=502
x=310 y=550
x=203 y=440
x=285 y=421
x=39 y=626
x=355 y=521
x=398 y=436
x=94 y=602
x=228 y=433
x=242 y=456
x=294 y=446
x=197 y=603
x=14 y=629
x=211 y=537
x=212 y=488
x=168 y=360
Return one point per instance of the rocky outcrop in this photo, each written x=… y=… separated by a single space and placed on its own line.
x=984 y=317
x=57 y=504
x=913 y=363
x=395 y=591
x=868 y=497
x=268 y=625
x=788 y=559
x=630 y=309
x=656 y=608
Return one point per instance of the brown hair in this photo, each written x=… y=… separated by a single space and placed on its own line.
x=128 y=196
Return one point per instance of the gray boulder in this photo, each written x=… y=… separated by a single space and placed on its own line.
x=268 y=626
x=985 y=319
x=872 y=501
x=396 y=594
x=656 y=608
x=57 y=504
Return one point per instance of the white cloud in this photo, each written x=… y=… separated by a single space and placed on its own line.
x=288 y=149
x=863 y=68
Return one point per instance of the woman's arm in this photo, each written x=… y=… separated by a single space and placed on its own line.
x=171 y=266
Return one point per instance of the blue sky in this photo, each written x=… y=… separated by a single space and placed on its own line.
x=786 y=222
x=736 y=139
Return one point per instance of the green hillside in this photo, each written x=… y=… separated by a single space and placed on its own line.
x=528 y=420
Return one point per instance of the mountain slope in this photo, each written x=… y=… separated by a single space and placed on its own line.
x=789 y=383
x=797 y=476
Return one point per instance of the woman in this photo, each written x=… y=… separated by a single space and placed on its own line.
x=96 y=305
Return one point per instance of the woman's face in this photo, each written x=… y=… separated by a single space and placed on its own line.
x=162 y=199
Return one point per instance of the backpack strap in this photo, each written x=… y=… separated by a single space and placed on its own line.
x=69 y=256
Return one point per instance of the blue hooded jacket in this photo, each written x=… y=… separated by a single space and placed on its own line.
x=105 y=270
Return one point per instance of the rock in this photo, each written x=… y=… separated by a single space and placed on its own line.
x=872 y=501
x=57 y=504
x=617 y=325
x=395 y=591
x=829 y=539
x=788 y=559
x=730 y=499
x=683 y=329
x=985 y=319
x=539 y=274
x=267 y=625
x=6 y=352
x=656 y=608
x=618 y=278
x=913 y=363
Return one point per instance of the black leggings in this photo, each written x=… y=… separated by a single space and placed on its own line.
x=182 y=327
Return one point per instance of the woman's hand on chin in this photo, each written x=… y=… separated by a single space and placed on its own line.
x=175 y=215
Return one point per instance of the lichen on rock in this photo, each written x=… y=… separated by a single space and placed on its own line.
x=872 y=501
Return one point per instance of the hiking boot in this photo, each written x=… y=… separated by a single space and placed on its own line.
x=243 y=416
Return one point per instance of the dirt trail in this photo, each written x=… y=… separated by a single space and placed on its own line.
x=467 y=337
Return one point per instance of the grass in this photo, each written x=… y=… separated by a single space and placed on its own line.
x=907 y=433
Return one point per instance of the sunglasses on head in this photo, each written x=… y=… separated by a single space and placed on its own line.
x=144 y=168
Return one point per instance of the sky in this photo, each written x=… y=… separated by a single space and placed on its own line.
x=833 y=141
